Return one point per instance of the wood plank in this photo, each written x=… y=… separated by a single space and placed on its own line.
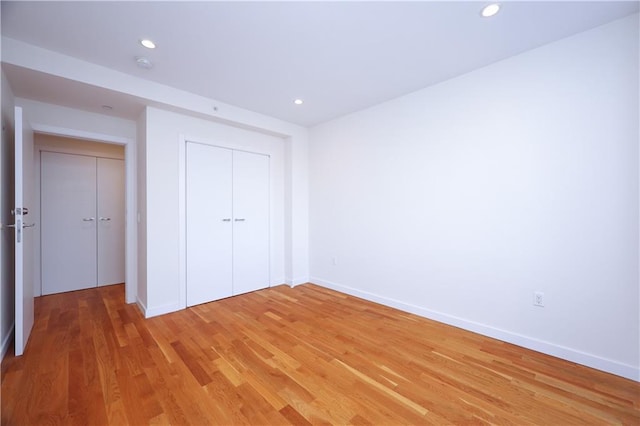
x=303 y=355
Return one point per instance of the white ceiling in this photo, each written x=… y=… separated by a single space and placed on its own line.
x=339 y=57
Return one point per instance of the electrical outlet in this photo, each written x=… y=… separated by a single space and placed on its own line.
x=538 y=299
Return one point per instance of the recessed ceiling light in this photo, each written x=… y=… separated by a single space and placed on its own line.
x=490 y=10
x=298 y=102
x=143 y=62
x=107 y=107
x=148 y=43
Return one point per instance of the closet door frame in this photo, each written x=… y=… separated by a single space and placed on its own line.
x=131 y=225
x=183 y=140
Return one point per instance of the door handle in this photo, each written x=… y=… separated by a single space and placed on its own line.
x=31 y=225
x=239 y=220
x=88 y=219
x=105 y=219
x=226 y=220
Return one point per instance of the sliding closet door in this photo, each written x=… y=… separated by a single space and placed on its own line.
x=209 y=223
x=110 y=221
x=251 y=222
x=68 y=222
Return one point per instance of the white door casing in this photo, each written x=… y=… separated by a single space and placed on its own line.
x=23 y=235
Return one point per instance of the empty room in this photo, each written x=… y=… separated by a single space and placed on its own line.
x=336 y=212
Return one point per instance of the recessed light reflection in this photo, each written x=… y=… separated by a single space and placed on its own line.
x=490 y=10
x=148 y=43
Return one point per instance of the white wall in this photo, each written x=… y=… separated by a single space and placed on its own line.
x=7 y=287
x=457 y=202
x=296 y=151
x=48 y=118
x=141 y=214
x=160 y=214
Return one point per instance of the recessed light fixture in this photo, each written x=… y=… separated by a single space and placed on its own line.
x=143 y=62
x=107 y=107
x=148 y=43
x=490 y=10
x=298 y=102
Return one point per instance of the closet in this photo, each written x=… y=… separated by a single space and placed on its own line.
x=227 y=222
x=82 y=221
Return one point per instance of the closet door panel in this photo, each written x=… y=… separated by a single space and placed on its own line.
x=68 y=222
x=110 y=221
x=209 y=223
x=251 y=222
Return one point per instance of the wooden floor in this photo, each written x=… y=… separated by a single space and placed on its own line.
x=288 y=356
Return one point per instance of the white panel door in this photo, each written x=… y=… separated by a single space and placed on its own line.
x=250 y=222
x=110 y=221
x=208 y=221
x=68 y=217
x=23 y=237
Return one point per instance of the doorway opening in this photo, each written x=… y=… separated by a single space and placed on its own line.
x=67 y=145
x=80 y=185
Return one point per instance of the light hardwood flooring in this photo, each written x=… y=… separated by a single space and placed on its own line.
x=288 y=356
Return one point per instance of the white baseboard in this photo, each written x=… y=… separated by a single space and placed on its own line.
x=297 y=281
x=154 y=311
x=628 y=371
x=142 y=307
x=6 y=342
